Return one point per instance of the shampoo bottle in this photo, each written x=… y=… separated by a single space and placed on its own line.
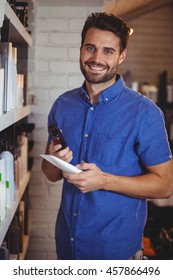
x=2 y=199
x=2 y=190
x=9 y=176
x=14 y=78
x=1 y=88
x=10 y=77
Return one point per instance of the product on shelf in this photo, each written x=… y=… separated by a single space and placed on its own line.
x=2 y=195
x=9 y=175
x=12 y=4
x=1 y=87
x=20 y=90
x=9 y=77
x=14 y=79
x=4 y=252
x=151 y=91
x=22 y=12
x=13 y=236
x=169 y=88
x=4 y=59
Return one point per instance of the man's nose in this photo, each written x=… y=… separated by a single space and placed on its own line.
x=97 y=56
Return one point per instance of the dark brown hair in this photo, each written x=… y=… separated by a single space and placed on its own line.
x=107 y=22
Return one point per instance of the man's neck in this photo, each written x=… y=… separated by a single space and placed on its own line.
x=94 y=90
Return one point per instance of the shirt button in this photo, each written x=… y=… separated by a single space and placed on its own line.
x=106 y=99
x=72 y=239
x=75 y=214
x=92 y=109
x=86 y=135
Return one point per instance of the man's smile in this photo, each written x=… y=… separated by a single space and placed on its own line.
x=96 y=67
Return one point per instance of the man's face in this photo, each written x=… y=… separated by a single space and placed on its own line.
x=100 y=56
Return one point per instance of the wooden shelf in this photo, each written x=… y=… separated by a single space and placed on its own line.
x=4 y=225
x=13 y=116
x=18 y=32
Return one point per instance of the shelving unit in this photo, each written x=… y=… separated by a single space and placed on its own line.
x=10 y=212
x=18 y=34
x=13 y=116
x=13 y=31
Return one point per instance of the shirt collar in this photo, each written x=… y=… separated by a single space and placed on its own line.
x=109 y=93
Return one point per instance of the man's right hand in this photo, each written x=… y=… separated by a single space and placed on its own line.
x=57 y=151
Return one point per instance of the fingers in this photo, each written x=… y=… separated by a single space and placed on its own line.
x=80 y=181
x=86 y=166
x=53 y=149
x=64 y=154
x=91 y=179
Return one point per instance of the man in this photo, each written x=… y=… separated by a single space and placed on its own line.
x=118 y=138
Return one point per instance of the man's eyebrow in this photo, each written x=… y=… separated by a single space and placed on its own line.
x=105 y=48
x=110 y=49
x=88 y=44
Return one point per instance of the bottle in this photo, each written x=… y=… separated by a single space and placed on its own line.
x=56 y=136
x=14 y=78
x=1 y=90
x=169 y=88
x=22 y=12
x=2 y=190
x=9 y=76
x=24 y=155
x=16 y=167
x=20 y=90
x=9 y=176
x=12 y=4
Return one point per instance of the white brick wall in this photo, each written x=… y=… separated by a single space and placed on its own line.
x=54 y=68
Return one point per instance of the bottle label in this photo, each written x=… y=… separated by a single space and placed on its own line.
x=7 y=184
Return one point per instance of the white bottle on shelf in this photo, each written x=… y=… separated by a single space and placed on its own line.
x=24 y=155
x=14 y=78
x=2 y=190
x=9 y=176
x=9 y=76
x=2 y=200
x=1 y=90
x=20 y=90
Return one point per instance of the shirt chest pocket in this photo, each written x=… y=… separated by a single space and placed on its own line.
x=108 y=149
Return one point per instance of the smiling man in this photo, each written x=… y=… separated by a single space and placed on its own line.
x=118 y=138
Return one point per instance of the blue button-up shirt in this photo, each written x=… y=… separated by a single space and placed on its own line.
x=121 y=134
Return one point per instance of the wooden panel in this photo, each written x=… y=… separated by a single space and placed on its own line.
x=126 y=8
x=150 y=47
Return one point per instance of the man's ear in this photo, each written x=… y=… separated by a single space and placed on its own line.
x=122 y=56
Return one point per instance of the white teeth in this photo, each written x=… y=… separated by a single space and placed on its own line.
x=96 y=68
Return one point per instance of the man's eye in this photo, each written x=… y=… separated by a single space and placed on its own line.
x=90 y=49
x=108 y=52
